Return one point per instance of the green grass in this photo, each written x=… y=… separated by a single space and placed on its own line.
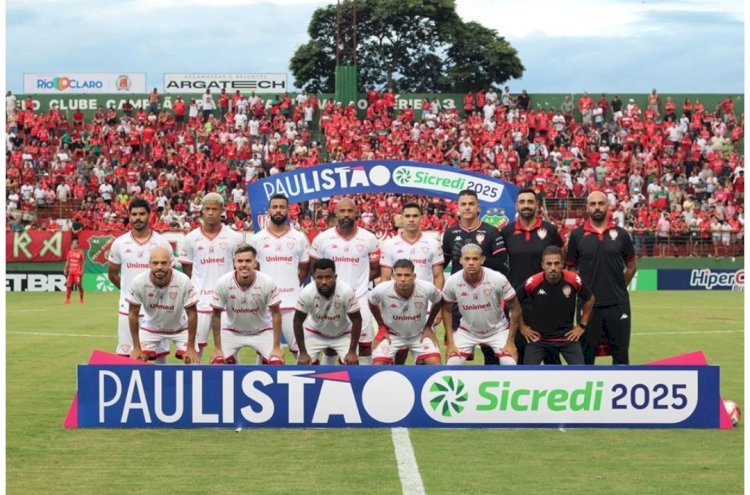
x=44 y=458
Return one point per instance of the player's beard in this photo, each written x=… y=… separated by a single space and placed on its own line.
x=527 y=213
x=598 y=216
x=279 y=220
x=346 y=223
x=327 y=292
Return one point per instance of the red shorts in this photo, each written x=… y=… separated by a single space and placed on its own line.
x=74 y=278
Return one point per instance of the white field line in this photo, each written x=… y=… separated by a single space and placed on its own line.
x=408 y=471
x=696 y=332
x=52 y=334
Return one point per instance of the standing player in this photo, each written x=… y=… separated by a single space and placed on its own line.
x=128 y=257
x=552 y=295
x=206 y=255
x=327 y=317
x=284 y=254
x=526 y=239
x=354 y=251
x=480 y=294
x=250 y=300
x=73 y=270
x=604 y=256
x=401 y=308
x=168 y=300
x=471 y=230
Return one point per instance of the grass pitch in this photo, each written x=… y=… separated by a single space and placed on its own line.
x=46 y=340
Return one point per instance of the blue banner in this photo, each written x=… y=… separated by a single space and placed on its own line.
x=408 y=396
x=496 y=198
x=700 y=279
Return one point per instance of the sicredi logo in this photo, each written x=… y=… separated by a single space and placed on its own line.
x=446 y=181
x=63 y=83
x=709 y=279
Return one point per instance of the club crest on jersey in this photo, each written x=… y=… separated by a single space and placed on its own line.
x=419 y=305
x=480 y=238
x=337 y=305
x=613 y=234
x=566 y=290
x=290 y=245
x=360 y=247
x=541 y=232
x=232 y=296
x=223 y=244
x=173 y=294
x=425 y=249
x=487 y=292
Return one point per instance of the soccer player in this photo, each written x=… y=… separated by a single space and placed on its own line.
x=354 y=251
x=206 y=255
x=168 y=300
x=327 y=316
x=479 y=293
x=251 y=302
x=552 y=295
x=604 y=256
x=284 y=254
x=128 y=257
x=73 y=270
x=471 y=230
x=402 y=309
x=526 y=239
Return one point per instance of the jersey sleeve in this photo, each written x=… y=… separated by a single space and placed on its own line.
x=571 y=256
x=386 y=259
x=191 y=298
x=628 y=249
x=446 y=249
x=497 y=259
x=438 y=257
x=316 y=249
x=304 y=254
x=352 y=303
x=302 y=305
x=375 y=296
x=507 y=292
x=114 y=253
x=186 y=251
x=449 y=292
x=219 y=297
x=434 y=295
x=274 y=298
x=134 y=295
x=554 y=237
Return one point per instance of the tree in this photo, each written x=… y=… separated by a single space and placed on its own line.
x=408 y=45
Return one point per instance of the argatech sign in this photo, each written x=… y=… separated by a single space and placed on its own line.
x=406 y=396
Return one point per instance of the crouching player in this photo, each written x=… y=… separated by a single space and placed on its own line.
x=400 y=306
x=169 y=304
x=253 y=318
x=480 y=294
x=327 y=317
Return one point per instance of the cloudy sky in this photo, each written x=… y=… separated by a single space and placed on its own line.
x=566 y=46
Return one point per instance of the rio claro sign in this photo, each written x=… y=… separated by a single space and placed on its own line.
x=425 y=396
x=84 y=82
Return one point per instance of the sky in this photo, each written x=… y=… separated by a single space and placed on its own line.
x=567 y=46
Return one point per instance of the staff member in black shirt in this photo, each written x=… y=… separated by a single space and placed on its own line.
x=552 y=295
x=525 y=240
x=471 y=230
x=604 y=256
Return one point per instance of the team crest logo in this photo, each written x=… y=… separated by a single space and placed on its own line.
x=487 y=292
x=542 y=233
x=566 y=291
x=223 y=244
x=256 y=297
x=480 y=238
x=425 y=249
x=232 y=297
x=360 y=247
x=290 y=245
x=126 y=348
x=419 y=305
x=613 y=234
x=173 y=294
x=337 y=305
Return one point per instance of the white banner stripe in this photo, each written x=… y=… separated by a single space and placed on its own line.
x=408 y=471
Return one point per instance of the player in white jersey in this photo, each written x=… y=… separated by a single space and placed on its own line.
x=251 y=303
x=402 y=309
x=480 y=294
x=327 y=316
x=284 y=254
x=128 y=257
x=206 y=255
x=355 y=252
x=422 y=250
x=168 y=300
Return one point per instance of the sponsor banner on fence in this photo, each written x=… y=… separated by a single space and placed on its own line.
x=84 y=82
x=245 y=83
x=34 y=282
x=36 y=245
x=700 y=279
x=496 y=198
x=420 y=396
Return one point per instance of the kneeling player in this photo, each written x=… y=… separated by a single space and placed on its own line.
x=552 y=294
x=400 y=308
x=327 y=317
x=169 y=303
x=480 y=294
x=253 y=319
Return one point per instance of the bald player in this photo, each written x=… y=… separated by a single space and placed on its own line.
x=604 y=256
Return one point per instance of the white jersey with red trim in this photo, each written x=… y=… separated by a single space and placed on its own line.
x=211 y=257
x=405 y=317
x=163 y=307
x=247 y=310
x=352 y=255
x=133 y=257
x=280 y=257
x=425 y=252
x=481 y=304
x=328 y=316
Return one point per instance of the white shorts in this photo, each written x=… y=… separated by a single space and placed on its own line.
x=316 y=343
x=125 y=340
x=368 y=333
x=466 y=342
x=204 y=327
x=232 y=342
x=421 y=348
x=287 y=329
x=156 y=345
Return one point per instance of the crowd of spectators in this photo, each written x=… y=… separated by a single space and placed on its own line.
x=672 y=172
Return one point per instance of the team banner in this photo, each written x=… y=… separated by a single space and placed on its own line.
x=115 y=396
x=36 y=245
x=84 y=82
x=496 y=198
x=245 y=83
x=700 y=279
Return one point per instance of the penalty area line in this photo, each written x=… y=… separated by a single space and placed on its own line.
x=51 y=334
x=697 y=332
x=408 y=470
